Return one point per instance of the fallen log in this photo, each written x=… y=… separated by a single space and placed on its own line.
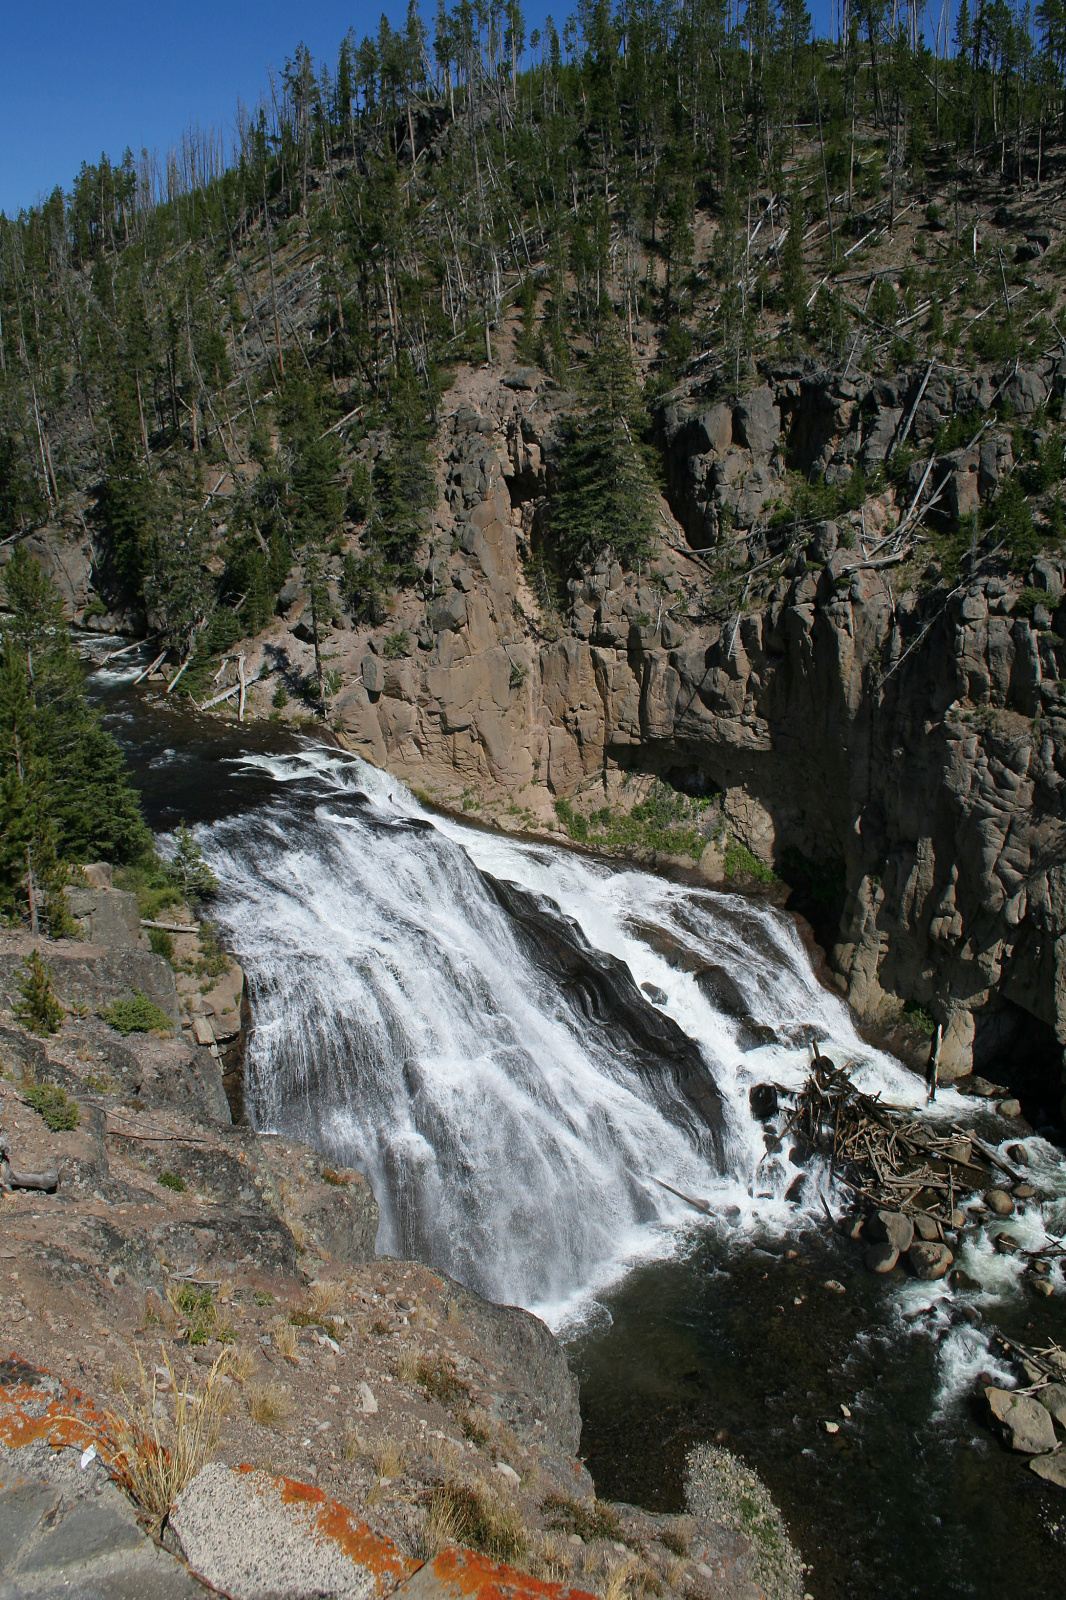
x=47 y=1182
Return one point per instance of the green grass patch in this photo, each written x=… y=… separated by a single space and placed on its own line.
x=666 y=821
x=740 y=863
x=171 y=1180
x=137 y=1014
x=919 y=1019
x=51 y=1103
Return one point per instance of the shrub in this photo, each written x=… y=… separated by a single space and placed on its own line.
x=213 y=960
x=188 y=867
x=59 y=1113
x=396 y=645
x=589 y=1522
x=162 y=943
x=739 y=861
x=138 y=1014
x=171 y=1180
x=38 y=1009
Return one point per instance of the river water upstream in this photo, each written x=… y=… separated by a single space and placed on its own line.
x=520 y=1045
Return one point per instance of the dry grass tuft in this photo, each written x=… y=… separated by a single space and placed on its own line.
x=445 y=1452
x=675 y=1571
x=352 y=1446
x=269 y=1404
x=389 y=1457
x=619 y=1575
x=407 y=1367
x=550 y=1558
x=285 y=1340
x=121 y=1379
x=677 y=1538
x=324 y=1298
x=477 y=1516
x=154 y=1460
x=477 y=1426
x=455 y=1311
x=440 y=1527
x=242 y=1364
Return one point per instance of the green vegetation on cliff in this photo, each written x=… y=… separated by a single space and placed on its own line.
x=65 y=796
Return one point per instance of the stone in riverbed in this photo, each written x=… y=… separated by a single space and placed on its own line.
x=1010 y=1108
x=929 y=1261
x=893 y=1228
x=1053 y=1398
x=1026 y=1426
x=927 y=1228
x=882 y=1257
x=1024 y=1191
x=1051 y=1468
x=999 y=1201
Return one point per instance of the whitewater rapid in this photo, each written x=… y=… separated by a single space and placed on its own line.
x=401 y=1027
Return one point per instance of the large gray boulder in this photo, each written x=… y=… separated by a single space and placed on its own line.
x=757 y=421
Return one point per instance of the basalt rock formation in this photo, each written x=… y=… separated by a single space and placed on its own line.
x=870 y=725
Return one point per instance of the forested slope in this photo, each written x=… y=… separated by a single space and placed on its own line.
x=677 y=397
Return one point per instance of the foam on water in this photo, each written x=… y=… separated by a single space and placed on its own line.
x=400 y=1025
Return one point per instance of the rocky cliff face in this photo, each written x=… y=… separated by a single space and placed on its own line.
x=871 y=731
x=888 y=740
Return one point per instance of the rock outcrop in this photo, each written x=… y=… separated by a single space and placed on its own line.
x=904 y=744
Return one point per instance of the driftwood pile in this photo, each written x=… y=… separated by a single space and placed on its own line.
x=886 y=1157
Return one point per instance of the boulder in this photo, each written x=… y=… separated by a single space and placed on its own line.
x=448 y=614
x=372 y=672
x=882 y=1257
x=757 y=421
x=356 y=721
x=1053 y=1398
x=1051 y=1468
x=1026 y=391
x=714 y=430
x=999 y=1201
x=1025 y=1424
x=881 y=433
x=928 y=1229
x=929 y=1261
x=762 y=1098
x=107 y=917
x=891 y=1227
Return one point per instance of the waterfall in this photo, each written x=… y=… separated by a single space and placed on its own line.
x=460 y=1015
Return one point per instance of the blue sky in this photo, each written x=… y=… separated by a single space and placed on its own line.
x=78 y=79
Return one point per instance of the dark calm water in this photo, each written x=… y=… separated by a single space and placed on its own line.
x=912 y=1497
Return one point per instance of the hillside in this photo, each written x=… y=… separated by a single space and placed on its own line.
x=653 y=435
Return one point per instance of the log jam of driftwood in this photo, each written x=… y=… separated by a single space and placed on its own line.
x=887 y=1158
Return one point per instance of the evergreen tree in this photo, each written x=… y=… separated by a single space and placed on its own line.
x=604 y=496
x=64 y=788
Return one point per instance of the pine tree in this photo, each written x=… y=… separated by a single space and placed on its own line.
x=64 y=788
x=603 y=502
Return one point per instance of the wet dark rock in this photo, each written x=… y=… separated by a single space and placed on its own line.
x=1023 y=1422
x=882 y=1257
x=762 y=1098
x=601 y=989
x=929 y=1261
x=657 y=996
x=891 y=1227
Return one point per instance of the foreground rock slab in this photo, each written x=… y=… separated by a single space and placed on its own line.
x=1027 y=1425
x=65 y=1529
x=251 y=1535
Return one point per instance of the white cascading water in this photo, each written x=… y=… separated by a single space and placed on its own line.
x=401 y=1026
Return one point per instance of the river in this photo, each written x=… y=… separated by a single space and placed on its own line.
x=515 y=1043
